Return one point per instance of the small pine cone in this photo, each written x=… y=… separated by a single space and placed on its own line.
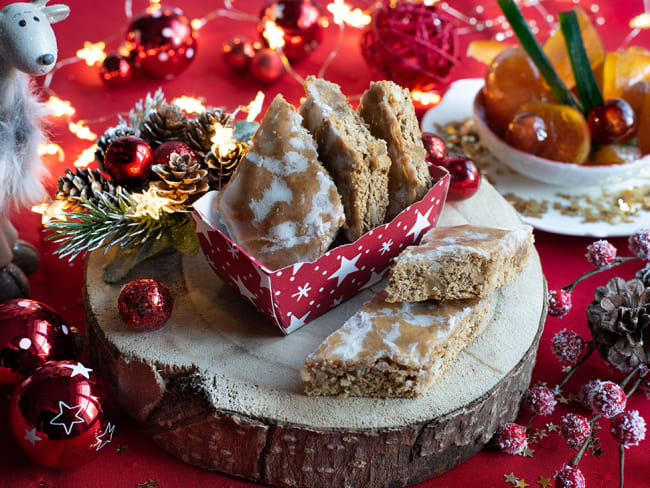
x=182 y=180
x=83 y=183
x=107 y=139
x=200 y=130
x=165 y=124
x=220 y=170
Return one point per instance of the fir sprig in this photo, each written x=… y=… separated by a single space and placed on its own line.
x=142 y=109
x=111 y=220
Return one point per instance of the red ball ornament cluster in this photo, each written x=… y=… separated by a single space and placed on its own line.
x=411 y=43
x=161 y=43
x=145 y=304
x=465 y=176
x=62 y=415
x=242 y=56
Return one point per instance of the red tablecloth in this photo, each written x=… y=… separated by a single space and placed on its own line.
x=58 y=282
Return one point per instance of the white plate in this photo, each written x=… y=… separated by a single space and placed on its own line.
x=457 y=105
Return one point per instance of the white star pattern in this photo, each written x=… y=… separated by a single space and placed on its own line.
x=348 y=266
x=296 y=267
x=30 y=435
x=385 y=246
x=298 y=322
x=337 y=302
x=421 y=223
x=78 y=369
x=233 y=251
x=76 y=420
x=303 y=291
x=265 y=281
x=243 y=291
x=203 y=228
x=374 y=278
x=110 y=428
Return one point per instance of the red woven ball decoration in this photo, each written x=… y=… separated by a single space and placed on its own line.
x=145 y=304
x=413 y=44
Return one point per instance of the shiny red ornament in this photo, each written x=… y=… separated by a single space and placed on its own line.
x=145 y=304
x=267 y=66
x=413 y=44
x=163 y=152
x=612 y=121
x=63 y=415
x=115 y=70
x=301 y=22
x=436 y=149
x=128 y=160
x=31 y=333
x=162 y=42
x=465 y=178
x=238 y=53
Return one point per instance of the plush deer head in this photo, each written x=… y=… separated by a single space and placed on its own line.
x=27 y=40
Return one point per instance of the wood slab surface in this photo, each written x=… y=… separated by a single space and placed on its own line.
x=218 y=386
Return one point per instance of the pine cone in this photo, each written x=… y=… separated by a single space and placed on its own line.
x=200 y=130
x=220 y=169
x=619 y=320
x=83 y=183
x=107 y=139
x=644 y=275
x=165 y=124
x=181 y=180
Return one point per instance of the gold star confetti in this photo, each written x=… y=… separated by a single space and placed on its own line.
x=122 y=449
x=541 y=434
x=562 y=399
x=597 y=452
x=544 y=482
x=573 y=397
x=522 y=484
x=566 y=369
x=596 y=426
x=527 y=452
x=552 y=427
x=149 y=484
x=511 y=478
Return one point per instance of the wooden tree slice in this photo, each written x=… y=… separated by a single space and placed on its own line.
x=219 y=387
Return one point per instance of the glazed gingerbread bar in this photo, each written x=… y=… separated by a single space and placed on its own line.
x=459 y=262
x=357 y=160
x=281 y=205
x=388 y=110
x=393 y=349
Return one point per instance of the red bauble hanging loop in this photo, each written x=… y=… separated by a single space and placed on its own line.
x=115 y=70
x=301 y=22
x=31 y=333
x=63 y=414
x=162 y=42
x=413 y=44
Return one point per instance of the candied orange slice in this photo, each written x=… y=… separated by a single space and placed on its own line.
x=485 y=51
x=569 y=139
x=555 y=49
x=635 y=95
x=624 y=68
x=643 y=129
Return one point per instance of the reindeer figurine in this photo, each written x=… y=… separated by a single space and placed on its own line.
x=27 y=47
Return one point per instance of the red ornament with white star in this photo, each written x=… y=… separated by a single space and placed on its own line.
x=63 y=414
x=295 y=295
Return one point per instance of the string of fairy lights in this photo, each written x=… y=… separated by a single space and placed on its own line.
x=343 y=16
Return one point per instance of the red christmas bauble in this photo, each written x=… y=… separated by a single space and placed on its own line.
x=301 y=22
x=162 y=153
x=128 y=160
x=413 y=44
x=145 y=304
x=115 y=70
x=238 y=53
x=162 y=42
x=63 y=414
x=267 y=66
x=31 y=333
x=436 y=149
x=465 y=178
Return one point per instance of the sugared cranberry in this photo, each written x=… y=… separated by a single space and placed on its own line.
x=568 y=346
x=575 y=428
x=570 y=477
x=639 y=243
x=587 y=392
x=628 y=428
x=608 y=399
x=559 y=303
x=540 y=400
x=612 y=121
x=601 y=253
x=511 y=438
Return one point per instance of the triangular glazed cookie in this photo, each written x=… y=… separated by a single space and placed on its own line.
x=393 y=349
x=281 y=205
x=388 y=110
x=357 y=160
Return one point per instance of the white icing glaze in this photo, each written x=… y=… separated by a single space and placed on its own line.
x=276 y=193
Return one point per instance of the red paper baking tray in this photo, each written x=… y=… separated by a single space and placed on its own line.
x=293 y=296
